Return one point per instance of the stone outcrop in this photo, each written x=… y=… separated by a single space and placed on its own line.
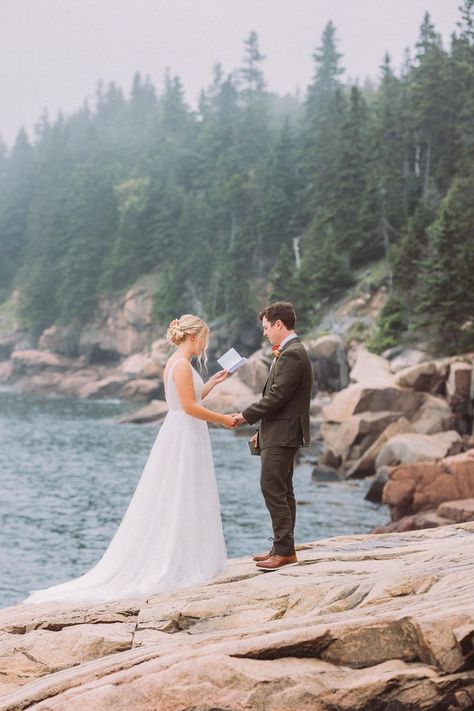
x=434 y=415
x=317 y=405
x=362 y=623
x=366 y=465
x=401 y=358
x=254 y=373
x=375 y=490
x=415 y=522
x=412 y=447
x=348 y=439
x=246 y=337
x=85 y=362
x=142 y=389
x=355 y=315
x=459 y=511
x=429 y=376
x=72 y=383
x=120 y=327
x=111 y=386
x=382 y=418
x=155 y=411
x=460 y=395
x=360 y=398
x=460 y=382
x=233 y=395
x=32 y=361
x=64 y=341
x=361 y=420
x=412 y=488
x=8 y=342
x=137 y=364
x=329 y=357
x=160 y=351
x=371 y=368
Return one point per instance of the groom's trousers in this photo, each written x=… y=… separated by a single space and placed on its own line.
x=276 y=482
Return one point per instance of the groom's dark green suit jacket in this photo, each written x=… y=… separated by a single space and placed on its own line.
x=283 y=411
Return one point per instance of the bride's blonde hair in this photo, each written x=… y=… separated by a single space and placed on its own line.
x=188 y=325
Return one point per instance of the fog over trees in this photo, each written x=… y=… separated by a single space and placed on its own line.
x=253 y=196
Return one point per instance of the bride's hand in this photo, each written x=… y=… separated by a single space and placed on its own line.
x=218 y=377
x=228 y=422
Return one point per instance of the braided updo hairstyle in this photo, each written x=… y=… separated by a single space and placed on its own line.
x=188 y=325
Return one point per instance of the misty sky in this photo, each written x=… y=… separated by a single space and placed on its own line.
x=53 y=52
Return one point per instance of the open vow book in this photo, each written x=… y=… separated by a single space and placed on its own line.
x=231 y=360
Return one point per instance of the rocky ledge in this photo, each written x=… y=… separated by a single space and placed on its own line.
x=361 y=623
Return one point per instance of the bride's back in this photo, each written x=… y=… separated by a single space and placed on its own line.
x=171 y=393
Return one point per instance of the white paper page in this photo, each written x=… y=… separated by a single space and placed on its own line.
x=231 y=360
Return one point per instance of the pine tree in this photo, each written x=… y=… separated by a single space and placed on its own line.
x=18 y=181
x=407 y=257
x=392 y=171
x=324 y=118
x=251 y=72
x=282 y=275
x=281 y=185
x=213 y=202
x=327 y=72
x=446 y=302
x=354 y=228
x=429 y=87
x=324 y=272
x=461 y=83
x=254 y=131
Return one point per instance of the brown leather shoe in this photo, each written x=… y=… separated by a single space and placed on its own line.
x=277 y=561
x=264 y=556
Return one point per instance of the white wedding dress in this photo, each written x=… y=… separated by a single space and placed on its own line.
x=171 y=535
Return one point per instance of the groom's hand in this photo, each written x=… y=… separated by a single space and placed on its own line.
x=239 y=419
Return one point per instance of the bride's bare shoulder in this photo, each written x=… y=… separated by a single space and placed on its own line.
x=181 y=369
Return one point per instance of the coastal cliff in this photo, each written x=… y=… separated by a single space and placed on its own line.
x=372 y=415
x=362 y=622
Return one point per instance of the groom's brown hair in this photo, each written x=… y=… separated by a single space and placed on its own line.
x=281 y=310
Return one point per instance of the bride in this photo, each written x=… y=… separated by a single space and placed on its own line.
x=171 y=534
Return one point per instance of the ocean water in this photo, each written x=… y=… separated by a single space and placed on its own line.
x=68 y=471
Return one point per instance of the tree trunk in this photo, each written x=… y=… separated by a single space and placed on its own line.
x=426 y=181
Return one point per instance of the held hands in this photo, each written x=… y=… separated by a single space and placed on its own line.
x=228 y=421
x=238 y=419
x=233 y=421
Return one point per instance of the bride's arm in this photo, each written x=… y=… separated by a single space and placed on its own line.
x=218 y=377
x=183 y=379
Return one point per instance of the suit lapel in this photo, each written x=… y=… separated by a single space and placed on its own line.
x=267 y=380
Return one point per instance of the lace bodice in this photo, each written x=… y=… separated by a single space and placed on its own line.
x=171 y=395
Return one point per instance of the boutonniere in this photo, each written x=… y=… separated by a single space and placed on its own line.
x=276 y=350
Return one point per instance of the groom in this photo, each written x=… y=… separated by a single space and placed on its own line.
x=283 y=413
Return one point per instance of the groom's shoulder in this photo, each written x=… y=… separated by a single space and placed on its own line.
x=295 y=350
x=295 y=346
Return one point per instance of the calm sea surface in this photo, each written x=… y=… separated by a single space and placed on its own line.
x=68 y=470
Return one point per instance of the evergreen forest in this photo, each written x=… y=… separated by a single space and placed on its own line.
x=252 y=196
